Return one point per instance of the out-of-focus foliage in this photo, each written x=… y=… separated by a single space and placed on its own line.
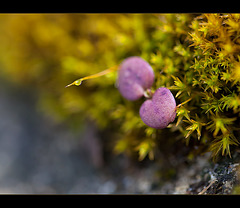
x=47 y=52
x=196 y=56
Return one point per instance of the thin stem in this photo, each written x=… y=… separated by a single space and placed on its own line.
x=148 y=93
x=205 y=189
x=79 y=81
x=184 y=102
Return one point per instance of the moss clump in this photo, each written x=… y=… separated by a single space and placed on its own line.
x=195 y=56
x=212 y=82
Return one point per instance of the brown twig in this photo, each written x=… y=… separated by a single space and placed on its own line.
x=206 y=188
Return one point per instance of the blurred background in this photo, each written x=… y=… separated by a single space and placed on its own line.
x=61 y=140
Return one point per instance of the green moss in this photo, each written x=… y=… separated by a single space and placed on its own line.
x=215 y=41
x=196 y=56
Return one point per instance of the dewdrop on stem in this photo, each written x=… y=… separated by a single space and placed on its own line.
x=79 y=81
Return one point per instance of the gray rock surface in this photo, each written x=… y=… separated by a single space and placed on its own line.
x=40 y=156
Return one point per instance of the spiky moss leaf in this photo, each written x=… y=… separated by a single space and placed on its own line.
x=145 y=148
x=220 y=124
x=222 y=144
